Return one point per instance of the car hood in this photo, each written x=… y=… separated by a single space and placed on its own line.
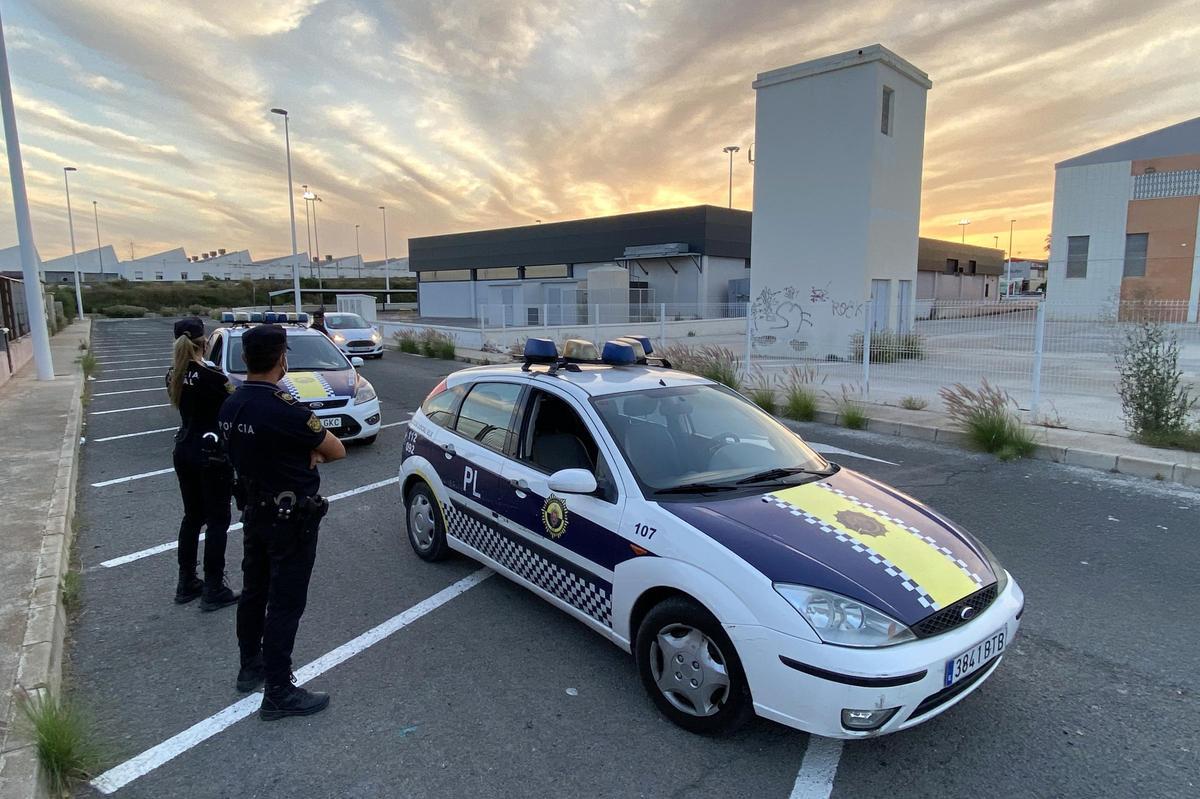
x=852 y=535
x=314 y=386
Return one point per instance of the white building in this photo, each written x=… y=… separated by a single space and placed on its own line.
x=1125 y=222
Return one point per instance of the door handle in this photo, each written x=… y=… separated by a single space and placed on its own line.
x=518 y=483
x=448 y=447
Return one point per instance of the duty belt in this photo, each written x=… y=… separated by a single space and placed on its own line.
x=288 y=507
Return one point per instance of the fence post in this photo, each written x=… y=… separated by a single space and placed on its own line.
x=546 y=316
x=596 y=325
x=749 y=341
x=1039 y=341
x=868 y=323
x=662 y=325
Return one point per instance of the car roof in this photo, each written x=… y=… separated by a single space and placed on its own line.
x=293 y=329
x=591 y=379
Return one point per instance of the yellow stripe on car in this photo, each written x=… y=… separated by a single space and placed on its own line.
x=938 y=576
x=307 y=386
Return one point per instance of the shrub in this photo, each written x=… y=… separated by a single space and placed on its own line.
x=434 y=344
x=762 y=392
x=72 y=590
x=125 y=311
x=851 y=412
x=66 y=296
x=889 y=346
x=66 y=748
x=1153 y=397
x=406 y=341
x=195 y=309
x=799 y=397
x=913 y=403
x=719 y=364
x=987 y=417
x=88 y=362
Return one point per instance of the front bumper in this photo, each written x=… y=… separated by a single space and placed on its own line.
x=374 y=349
x=356 y=421
x=907 y=676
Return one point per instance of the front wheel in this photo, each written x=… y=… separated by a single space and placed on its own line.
x=690 y=669
x=426 y=533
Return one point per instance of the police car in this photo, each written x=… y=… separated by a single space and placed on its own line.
x=353 y=335
x=745 y=573
x=320 y=376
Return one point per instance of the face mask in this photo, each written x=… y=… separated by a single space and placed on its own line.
x=285 y=365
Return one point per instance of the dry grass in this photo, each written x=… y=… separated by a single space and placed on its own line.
x=986 y=414
x=913 y=403
x=719 y=364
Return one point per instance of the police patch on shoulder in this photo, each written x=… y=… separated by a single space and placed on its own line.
x=229 y=389
x=554 y=516
x=286 y=397
x=314 y=424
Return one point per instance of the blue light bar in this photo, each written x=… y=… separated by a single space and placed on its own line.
x=227 y=316
x=270 y=317
x=302 y=317
x=577 y=349
x=639 y=354
x=541 y=350
x=256 y=316
x=644 y=341
x=618 y=353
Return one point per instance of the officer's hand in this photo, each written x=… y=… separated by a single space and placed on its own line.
x=314 y=458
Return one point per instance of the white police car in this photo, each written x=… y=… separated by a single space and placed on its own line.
x=745 y=573
x=319 y=375
x=353 y=335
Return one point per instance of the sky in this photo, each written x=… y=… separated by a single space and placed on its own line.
x=471 y=114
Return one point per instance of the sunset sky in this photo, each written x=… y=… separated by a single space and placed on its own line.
x=466 y=114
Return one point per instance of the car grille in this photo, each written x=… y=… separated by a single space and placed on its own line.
x=328 y=403
x=950 y=617
x=370 y=344
x=946 y=694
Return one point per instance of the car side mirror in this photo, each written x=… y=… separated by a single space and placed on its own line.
x=573 y=481
x=356 y=361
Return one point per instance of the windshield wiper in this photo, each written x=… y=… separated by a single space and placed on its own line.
x=783 y=471
x=695 y=488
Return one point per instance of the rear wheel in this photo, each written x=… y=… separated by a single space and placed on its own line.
x=426 y=533
x=690 y=669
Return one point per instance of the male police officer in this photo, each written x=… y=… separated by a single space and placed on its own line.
x=275 y=445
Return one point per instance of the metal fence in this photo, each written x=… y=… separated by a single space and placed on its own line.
x=14 y=315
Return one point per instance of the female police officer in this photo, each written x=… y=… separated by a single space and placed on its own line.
x=205 y=477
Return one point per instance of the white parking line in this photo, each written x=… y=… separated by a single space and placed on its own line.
x=127 y=379
x=128 y=391
x=142 y=764
x=137 y=369
x=817 y=769
x=170 y=545
x=164 y=359
x=126 y=410
x=135 y=435
x=131 y=478
x=392 y=424
x=830 y=449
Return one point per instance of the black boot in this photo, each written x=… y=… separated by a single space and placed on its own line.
x=217 y=594
x=280 y=701
x=189 y=586
x=251 y=674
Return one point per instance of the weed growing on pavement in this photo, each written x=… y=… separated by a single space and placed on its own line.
x=1154 y=399
x=911 y=403
x=437 y=345
x=761 y=391
x=851 y=412
x=72 y=590
x=1180 y=439
x=88 y=362
x=719 y=364
x=66 y=746
x=406 y=341
x=799 y=396
x=986 y=414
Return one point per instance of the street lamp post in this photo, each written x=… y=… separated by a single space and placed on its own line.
x=962 y=223
x=35 y=304
x=308 y=248
x=314 y=199
x=387 y=276
x=731 y=149
x=1008 y=268
x=358 y=251
x=99 y=252
x=287 y=145
x=74 y=254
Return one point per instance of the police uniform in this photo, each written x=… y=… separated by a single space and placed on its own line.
x=205 y=480
x=270 y=439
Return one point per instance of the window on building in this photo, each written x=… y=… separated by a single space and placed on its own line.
x=228 y=275
x=138 y=276
x=441 y=275
x=1077 y=256
x=889 y=108
x=548 y=270
x=971 y=266
x=1135 y=254
x=951 y=266
x=497 y=273
x=158 y=275
x=183 y=275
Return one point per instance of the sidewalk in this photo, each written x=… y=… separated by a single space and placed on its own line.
x=41 y=424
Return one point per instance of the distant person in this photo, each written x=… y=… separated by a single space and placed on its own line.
x=275 y=445
x=318 y=320
x=205 y=477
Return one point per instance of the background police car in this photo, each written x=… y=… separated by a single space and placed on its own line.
x=320 y=376
x=501 y=484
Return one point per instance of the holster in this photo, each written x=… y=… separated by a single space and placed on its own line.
x=286 y=507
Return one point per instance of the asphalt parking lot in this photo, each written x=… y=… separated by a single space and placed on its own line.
x=467 y=685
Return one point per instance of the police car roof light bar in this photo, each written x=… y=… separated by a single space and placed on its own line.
x=618 y=353
x=644 y=341
x=540 y=350
x=270 y=317
x=578 y=350
x=302 y=317
x=256 y=316
x=241 y=316
x=227 y=316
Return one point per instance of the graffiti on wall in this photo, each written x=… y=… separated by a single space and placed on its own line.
x=782 y=315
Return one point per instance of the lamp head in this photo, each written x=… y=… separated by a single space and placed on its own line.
x=281 y=111
x=69 y=169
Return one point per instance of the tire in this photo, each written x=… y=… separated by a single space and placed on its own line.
x=424 y=524
x=680 y=628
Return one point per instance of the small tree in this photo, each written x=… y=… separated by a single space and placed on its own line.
x=1153 y=396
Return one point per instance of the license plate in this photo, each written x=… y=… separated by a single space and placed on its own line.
x=974 y=658
x=335 y=421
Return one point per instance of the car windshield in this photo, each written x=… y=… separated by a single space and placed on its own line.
x=345 y=321
x=696 y=438
x=309 y=353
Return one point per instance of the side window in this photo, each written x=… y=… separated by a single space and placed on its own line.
x=439 y=407
x=487 y=413
x=556 y=438
x=214 y=353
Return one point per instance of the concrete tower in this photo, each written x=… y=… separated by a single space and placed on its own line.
x=838 y=146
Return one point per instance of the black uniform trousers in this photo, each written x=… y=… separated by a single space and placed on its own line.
x=206 y=490
x=276 y=566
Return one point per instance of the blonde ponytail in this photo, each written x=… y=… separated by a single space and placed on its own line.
x=186 y=350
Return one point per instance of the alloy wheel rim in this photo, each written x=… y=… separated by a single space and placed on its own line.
x=690 y=670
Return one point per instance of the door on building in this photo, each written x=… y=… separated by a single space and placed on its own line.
x=905 y=309
x=881 y=302
x=503 y=301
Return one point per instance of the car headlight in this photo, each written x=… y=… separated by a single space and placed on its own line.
x=339 y=338
x=843 y=621
x=376 y=337
x=365 y=392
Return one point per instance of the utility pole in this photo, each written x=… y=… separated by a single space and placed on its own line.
x=387 y=275
x=731 y=149
x=35 y=304
x=1008 y=269
x=99 y=251
x=74 y=254
x=358 y=250
x=287 y=144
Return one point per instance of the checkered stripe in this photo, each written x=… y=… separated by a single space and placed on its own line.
x=576 y=590
x=879 y=560
x=957 y=561
x=295 y=392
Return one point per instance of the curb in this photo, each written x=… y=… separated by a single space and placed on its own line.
x=39 y=667
x=1161 y=470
